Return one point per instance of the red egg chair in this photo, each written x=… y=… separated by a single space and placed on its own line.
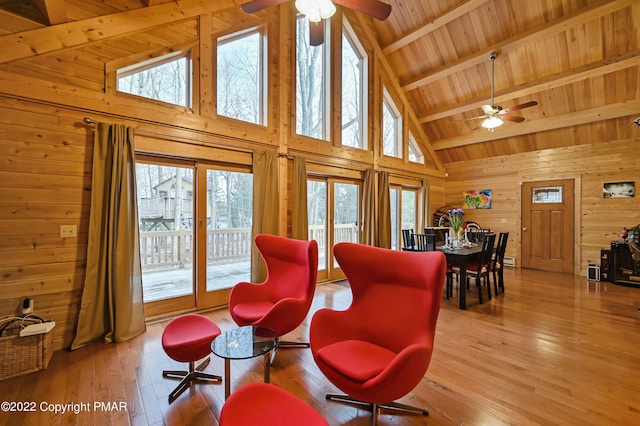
x=280 y=303
x=379 y=349
x=266 y=404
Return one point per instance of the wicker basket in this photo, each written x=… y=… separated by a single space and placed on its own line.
x=22 y=355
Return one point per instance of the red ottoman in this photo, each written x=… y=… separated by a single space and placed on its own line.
x=268 y=405
x=188 y=338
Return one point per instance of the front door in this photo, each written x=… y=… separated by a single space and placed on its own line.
x=548 y=225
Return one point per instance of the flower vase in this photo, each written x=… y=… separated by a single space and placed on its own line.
x=455 y=237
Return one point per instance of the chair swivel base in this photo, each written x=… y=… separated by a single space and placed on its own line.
x=374 y=407
x=286 y=344
x=187 y=377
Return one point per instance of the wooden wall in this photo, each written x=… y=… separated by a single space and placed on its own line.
x=46 y=89
x=598 y=221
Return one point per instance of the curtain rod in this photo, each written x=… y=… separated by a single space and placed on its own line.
x=88 y=120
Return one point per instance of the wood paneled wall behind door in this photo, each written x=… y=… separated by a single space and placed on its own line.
x=598 y=220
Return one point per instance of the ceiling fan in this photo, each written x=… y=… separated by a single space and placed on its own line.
x=494 y=115
x=317 y=10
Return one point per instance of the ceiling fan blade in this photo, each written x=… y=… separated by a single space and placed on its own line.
x=374 y=8
x=316 y=33
x=258 y=5
x=513 y=118
x=522 y=106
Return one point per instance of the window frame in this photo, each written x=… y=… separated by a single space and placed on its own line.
x=412 y=145
x=351 y=37
x=326 y=95
x=263 y=71
x=391 y=105
x=156 y=60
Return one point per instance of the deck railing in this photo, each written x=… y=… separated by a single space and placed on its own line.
x=173 y=249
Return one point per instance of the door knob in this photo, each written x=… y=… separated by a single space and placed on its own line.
x=524 y=229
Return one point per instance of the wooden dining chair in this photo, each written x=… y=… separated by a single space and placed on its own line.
x=480 y=270
x=407 y=240
x=425 y=242
x=497 y=264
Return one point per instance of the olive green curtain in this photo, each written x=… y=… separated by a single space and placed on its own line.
x=112 y=308
x=299 y=214
x=265 y=205
x=425 y=218
x=384 y=211
x=369 y=208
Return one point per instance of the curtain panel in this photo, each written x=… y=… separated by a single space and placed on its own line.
x=369 y=208
x=265 y=206
x=384 y=211
x=424 y=211
x=299 y=214
x=112 y=307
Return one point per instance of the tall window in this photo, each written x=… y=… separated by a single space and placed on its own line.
x=415 y=153
x=312 y=84
x=391 y=127
x=241 y=85
x=354 y=90
x=166 y=79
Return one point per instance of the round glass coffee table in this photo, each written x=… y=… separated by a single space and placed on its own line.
x=243 y=343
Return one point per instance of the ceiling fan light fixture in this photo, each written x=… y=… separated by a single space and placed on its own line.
x=316 y=10
x=492 y=122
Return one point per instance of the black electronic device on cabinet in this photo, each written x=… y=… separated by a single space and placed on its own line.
x=605 y=265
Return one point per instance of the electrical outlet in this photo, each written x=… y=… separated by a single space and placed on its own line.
x=503 y=220
x=68 y=231
x=27 y=306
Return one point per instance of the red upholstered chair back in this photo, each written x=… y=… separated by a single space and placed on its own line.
x=396 y=294
x=289 y=263
x=282 y=301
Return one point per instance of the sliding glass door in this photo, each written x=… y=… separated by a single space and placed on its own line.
x=404 y=204
x=195 y=232
x=334 y=211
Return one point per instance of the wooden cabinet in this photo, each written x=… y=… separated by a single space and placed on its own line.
x=625 y=270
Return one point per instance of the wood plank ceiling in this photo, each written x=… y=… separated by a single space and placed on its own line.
x=579 y=59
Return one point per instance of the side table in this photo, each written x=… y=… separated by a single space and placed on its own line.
x=243 y=343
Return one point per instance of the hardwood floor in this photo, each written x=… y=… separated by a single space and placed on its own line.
x=552 y=350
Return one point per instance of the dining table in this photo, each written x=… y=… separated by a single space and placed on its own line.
x=461 y=256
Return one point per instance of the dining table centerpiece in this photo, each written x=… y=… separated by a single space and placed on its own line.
x=456 y=218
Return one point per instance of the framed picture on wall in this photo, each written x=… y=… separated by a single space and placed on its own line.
x=477 y=199
x=618 y=190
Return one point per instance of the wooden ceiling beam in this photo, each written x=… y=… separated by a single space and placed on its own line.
x=154 y=2
x=438 y=22
x=580 y=16
x=52 y=10
x=605 y=112
x=550 y=82
x=50 y=39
